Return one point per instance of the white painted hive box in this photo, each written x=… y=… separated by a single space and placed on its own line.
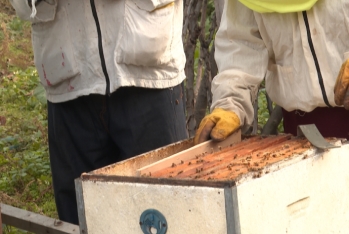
x=263 y=185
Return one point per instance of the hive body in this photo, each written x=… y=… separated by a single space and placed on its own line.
x=274 y=184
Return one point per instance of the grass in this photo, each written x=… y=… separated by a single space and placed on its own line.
x=25 y=177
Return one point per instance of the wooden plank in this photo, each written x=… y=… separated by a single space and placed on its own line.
x=207 y=147
x=129 y=166
x=35 y=223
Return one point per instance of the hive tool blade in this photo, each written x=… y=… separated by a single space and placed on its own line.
x=313 y=135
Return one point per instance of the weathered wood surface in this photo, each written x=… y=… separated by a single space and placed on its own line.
x=191 y=153
x=33 y=222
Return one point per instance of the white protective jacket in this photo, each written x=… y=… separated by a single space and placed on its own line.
x=298 y=54
x=96 y=46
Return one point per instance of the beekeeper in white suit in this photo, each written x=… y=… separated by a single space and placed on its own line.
x=299 y=47
x=112 y=71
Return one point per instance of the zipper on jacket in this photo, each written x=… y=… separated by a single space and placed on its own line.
x=100 y=47
x=321 y=81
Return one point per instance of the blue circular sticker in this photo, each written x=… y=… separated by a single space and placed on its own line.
x=152 y=220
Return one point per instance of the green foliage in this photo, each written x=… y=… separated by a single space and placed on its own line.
x=16 y=25
x=23 y=135
x=25 y=177
x=263 y=114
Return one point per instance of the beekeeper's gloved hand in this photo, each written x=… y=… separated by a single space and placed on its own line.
x=218 y=125
x=341 y=91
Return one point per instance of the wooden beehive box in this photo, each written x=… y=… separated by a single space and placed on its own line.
x=273 y=184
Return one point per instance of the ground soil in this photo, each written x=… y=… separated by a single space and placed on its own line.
x=6 y=8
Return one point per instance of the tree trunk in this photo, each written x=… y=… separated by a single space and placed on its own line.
x=204 y=95
x=190 y=41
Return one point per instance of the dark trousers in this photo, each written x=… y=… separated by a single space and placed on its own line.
x=331 y=122
x=93 y=131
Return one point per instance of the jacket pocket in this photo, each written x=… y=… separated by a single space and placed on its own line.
x=53 y=51
x=147 y=33
x=45 y=10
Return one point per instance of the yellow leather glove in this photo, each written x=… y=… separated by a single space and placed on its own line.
x=219 y=125
x=341 y=92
